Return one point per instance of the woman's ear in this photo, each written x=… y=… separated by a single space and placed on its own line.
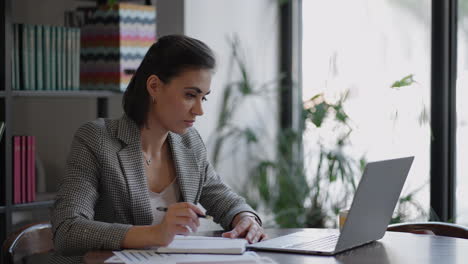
x=153 y=84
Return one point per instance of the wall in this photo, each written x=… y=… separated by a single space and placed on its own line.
x=256 y=25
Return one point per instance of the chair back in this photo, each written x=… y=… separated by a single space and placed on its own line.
x=29 y=240
x=436 y=228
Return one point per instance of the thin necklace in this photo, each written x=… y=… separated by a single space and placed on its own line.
x=147 y=161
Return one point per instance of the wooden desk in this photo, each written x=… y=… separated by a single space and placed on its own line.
x=394 y=247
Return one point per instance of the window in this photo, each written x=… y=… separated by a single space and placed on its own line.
x=364 y=47
x=462 y=115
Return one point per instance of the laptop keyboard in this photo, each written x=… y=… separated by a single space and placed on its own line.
x=326 y=243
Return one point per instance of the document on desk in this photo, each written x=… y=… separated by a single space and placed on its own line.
x=151 y=257
x=186 y=245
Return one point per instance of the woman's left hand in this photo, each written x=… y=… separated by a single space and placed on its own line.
x=246 y=226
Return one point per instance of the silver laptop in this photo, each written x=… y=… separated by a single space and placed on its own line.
x=368 y=217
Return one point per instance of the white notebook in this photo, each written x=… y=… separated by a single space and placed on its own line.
x=203 y=244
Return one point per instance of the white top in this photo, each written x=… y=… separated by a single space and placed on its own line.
x=168 y=196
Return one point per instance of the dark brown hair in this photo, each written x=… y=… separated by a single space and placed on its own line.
x=166 y=58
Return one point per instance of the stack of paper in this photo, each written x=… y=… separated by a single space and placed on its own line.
x=210 y=250
x=147 y=257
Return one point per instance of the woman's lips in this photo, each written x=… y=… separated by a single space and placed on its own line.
x=189 y=122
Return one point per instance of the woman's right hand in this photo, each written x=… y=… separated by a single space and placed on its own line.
x=177 y=221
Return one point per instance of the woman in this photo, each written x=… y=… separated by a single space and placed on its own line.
x=119 y=171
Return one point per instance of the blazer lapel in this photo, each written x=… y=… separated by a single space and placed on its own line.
x=131 y=162
x=186 y=166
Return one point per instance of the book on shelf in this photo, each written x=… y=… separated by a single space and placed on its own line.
x=24 y=171
x=24 y=57
x=39 y=57
x=69 y=57
x=72 y=58
x=45 y=57
x=16 y=58
x=16 y=169
x=13 y=63
x=53 y=59
x=58 y=57
x=28 y=169
x=32 y=56
x=24 y=175
x=46 y=53
x=75 y=58
x=64 y=59
x=33 y=169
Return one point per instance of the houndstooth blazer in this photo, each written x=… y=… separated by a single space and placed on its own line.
x=104 y=191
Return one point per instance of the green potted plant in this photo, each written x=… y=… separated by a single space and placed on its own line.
x=288 y=193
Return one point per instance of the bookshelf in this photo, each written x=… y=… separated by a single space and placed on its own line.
x=64 y=94
x=9 y=101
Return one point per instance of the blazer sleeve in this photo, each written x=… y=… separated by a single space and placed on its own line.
x=217 y=198
x=74 y=230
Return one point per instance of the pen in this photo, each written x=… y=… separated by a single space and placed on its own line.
x=164 y=209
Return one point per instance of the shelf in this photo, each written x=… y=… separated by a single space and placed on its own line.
x=97 y=1
x=44 y=200
x=30 y=206
x=88 y=94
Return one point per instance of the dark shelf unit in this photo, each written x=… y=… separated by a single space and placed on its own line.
x=32 y=206
x=7 y=100
x=100 y=2
x=43 y=201
x=82 y=94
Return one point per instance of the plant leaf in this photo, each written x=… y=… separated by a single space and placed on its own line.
x=406 y=81
x=317 y=113
x=340 y=113
x=250 y=135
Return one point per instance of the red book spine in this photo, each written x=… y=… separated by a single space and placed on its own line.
x=29 y=170
x=16 y=169
x=33 y=170
x=23 y=169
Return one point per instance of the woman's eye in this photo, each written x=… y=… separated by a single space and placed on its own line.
x=190 y=96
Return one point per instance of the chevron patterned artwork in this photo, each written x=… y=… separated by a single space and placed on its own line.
x=114 y=43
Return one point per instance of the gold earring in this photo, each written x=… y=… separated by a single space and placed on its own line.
x=153 y=100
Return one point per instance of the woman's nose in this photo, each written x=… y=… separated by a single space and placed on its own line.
x=198 y=108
